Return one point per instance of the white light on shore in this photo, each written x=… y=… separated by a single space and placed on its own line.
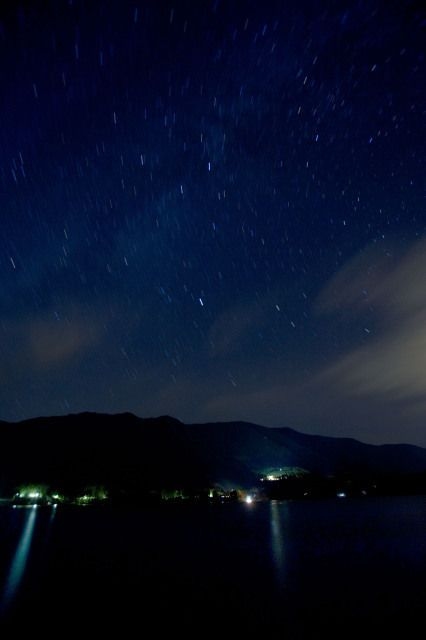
x=249 y=499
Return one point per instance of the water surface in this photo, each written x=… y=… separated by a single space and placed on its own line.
x=330 y=568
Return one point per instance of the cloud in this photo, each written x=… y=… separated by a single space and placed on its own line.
x=359 y=283
x=393 y=359
x=231 y=326
x=374 y=390
x=46 y=341
x=392 y=281
x=393 y=364
x=236 y=327
x=52 y=343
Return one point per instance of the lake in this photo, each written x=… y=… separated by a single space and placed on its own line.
x=318 y=569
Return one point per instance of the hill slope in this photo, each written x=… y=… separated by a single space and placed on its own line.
x=124 y=451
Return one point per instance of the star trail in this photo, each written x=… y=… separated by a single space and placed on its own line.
x=215 y=210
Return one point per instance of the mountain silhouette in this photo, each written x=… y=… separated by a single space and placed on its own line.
x=134 y=454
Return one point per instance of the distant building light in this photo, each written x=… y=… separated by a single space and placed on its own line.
x=249 y=499
x=341 y=494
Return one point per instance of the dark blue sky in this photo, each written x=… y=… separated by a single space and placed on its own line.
x=215 y=210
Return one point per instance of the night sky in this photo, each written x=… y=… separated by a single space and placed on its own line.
x=215 y=210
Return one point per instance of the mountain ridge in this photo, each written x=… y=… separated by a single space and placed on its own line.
x=132 y=453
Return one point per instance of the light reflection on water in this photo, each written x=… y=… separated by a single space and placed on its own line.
x=277 y=512
x=302 y=567
x=19 y=561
